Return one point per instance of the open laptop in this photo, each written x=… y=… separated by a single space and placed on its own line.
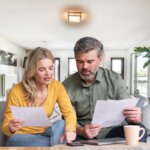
x=107 y=141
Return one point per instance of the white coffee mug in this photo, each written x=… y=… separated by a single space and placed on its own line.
x=132 y=134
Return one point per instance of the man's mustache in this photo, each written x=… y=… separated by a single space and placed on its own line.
x=82 y=71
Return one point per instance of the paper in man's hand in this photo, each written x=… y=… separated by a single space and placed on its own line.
x=109 y=113
x=31 y=116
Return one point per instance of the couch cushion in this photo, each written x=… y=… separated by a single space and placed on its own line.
x=56 y=114
x=2 y=137
x=146 y=118
x=2 y=108
x=141 y=102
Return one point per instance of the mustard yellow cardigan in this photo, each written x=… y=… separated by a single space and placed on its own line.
x=56 y=93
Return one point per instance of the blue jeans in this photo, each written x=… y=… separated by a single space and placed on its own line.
x=50 y=137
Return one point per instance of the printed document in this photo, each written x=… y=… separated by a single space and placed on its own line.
x=109 y=113
x=32 y=116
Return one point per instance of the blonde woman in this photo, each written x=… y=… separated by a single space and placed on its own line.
x=39 y=89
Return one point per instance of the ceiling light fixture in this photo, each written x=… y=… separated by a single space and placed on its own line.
x=74 y=17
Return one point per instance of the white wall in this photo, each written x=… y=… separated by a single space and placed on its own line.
x=8 y=46
x=109 y=53
x=65 y=54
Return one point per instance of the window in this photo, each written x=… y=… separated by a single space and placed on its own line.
x=72 y=68
x=24 y=62
x=117 y=65
x=139 y=76
x=57 y=69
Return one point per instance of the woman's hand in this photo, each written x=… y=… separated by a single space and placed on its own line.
x=68 y=136
x=14 y=125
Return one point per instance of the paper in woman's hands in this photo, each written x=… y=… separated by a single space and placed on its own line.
x=31 y=116
x=109 y=113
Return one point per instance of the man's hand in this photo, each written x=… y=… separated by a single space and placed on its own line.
x=133 y=114
x=89 y=131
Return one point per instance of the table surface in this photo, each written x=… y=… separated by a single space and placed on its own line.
x=140 y=146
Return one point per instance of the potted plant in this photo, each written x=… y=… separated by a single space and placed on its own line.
x=145 y=51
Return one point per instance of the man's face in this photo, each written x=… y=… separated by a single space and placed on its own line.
x=88 y=64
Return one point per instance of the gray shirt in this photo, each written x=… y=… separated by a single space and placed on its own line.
x=108 y=85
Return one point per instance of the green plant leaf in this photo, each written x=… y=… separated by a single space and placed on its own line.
x=142 y=49
x=145 y=51
x=146 y=64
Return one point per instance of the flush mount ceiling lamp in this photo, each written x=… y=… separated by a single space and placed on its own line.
x=75 y=15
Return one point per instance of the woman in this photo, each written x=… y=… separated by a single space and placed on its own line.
x=38 y=89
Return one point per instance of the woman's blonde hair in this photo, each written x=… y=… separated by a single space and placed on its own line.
x=30 y=70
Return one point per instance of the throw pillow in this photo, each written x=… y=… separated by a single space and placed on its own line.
x=146 y=118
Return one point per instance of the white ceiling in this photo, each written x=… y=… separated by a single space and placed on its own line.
x=119 y=24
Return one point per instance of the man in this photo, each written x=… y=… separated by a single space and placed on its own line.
x=92 y=83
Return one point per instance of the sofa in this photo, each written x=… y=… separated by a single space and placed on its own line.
x=57 y=115
x=2 y=136
x=54 y=117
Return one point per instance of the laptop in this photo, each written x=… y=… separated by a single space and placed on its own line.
x=107 y=141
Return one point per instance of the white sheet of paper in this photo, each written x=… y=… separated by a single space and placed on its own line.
x=32 y=116
x=109 y=113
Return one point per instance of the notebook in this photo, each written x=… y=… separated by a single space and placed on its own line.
x=107 y=141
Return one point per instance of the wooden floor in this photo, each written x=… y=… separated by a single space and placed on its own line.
x=141 y=146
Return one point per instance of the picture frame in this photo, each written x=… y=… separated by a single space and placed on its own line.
x=72 y=68
x=7 y=58
x=117 y=65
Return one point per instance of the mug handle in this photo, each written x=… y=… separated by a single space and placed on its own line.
x=143 y=132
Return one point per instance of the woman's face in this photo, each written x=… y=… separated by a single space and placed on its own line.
x=44 y=71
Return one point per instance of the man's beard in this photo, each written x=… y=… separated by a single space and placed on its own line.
x=90 y=76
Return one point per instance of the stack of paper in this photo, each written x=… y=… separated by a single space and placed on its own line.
x=32 y=116
x=109 y=113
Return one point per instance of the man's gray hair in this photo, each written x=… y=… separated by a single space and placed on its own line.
x=86 y=44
